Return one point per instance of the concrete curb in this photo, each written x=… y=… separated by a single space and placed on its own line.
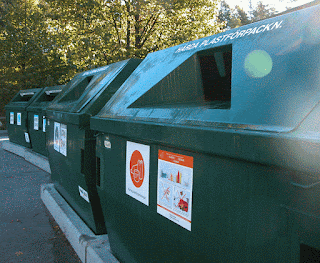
x=29 y=155
x=89 y=247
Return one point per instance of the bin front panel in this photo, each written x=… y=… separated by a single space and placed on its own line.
x=18 y=132
x=37 y=131
x=37 y=118
x=67 y=154
x=236 y=215
x=84 y=96
x=16 y=116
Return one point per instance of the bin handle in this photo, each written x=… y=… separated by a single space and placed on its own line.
x=304 y=186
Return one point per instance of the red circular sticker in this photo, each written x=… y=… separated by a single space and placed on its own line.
x=137 y=168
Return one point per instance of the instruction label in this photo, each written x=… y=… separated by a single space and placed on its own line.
x=19 y=118
x=26 y=136
x=36 y=122
x=174 y=194
x=63 y=139
x=56 y=136
x=137 y=171
x=11 y=117
x=60 y=138
x=84 y=194
x=44 y=122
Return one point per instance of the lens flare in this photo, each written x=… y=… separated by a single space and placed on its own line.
x=258 y=64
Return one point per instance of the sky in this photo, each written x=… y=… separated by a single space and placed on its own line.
x=277 y=4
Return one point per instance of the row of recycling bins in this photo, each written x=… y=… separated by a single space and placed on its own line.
x=204 y=152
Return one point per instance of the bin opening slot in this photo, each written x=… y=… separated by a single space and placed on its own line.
x=24 y=96
x=216 y=74
x=77 y=91
x=98 y=174
x=49 y=92
x=204 y=79
x=49 y=95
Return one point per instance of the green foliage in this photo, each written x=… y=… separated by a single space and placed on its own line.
x=45 y=43
x=262 y=12
x=235 y=17
x=104 y=31
x=27 y=57
x=242 y=16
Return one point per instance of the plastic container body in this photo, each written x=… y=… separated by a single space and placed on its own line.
x=17 y=117
x=37 y=121
x=71 y=143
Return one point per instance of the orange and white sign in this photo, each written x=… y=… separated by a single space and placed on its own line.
x=137 y=171
x=175 y=180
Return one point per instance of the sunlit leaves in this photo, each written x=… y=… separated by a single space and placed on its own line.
x=45 y=43
x=27 y=57
x=119 y=29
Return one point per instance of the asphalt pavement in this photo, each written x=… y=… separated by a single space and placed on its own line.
x=28 y=232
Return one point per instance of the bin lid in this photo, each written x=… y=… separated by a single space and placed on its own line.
x=88 y=91
x=45 y=97
x=264 y=76
x=23 y=99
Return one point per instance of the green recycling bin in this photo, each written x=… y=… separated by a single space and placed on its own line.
x=71 y=143
x=209 y=152
x=37 y=118
x=17 y=118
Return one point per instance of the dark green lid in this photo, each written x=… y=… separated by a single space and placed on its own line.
x=45 y=97
x=88 y=92
x=264 y=76
x=23 y=99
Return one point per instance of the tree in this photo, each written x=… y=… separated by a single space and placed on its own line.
x=232 y=17
x=242 y=16
x=26 y=57
x=104 y=31
x=262 y=12
x=45 y=42
x=226 y=16
x=235 y=17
